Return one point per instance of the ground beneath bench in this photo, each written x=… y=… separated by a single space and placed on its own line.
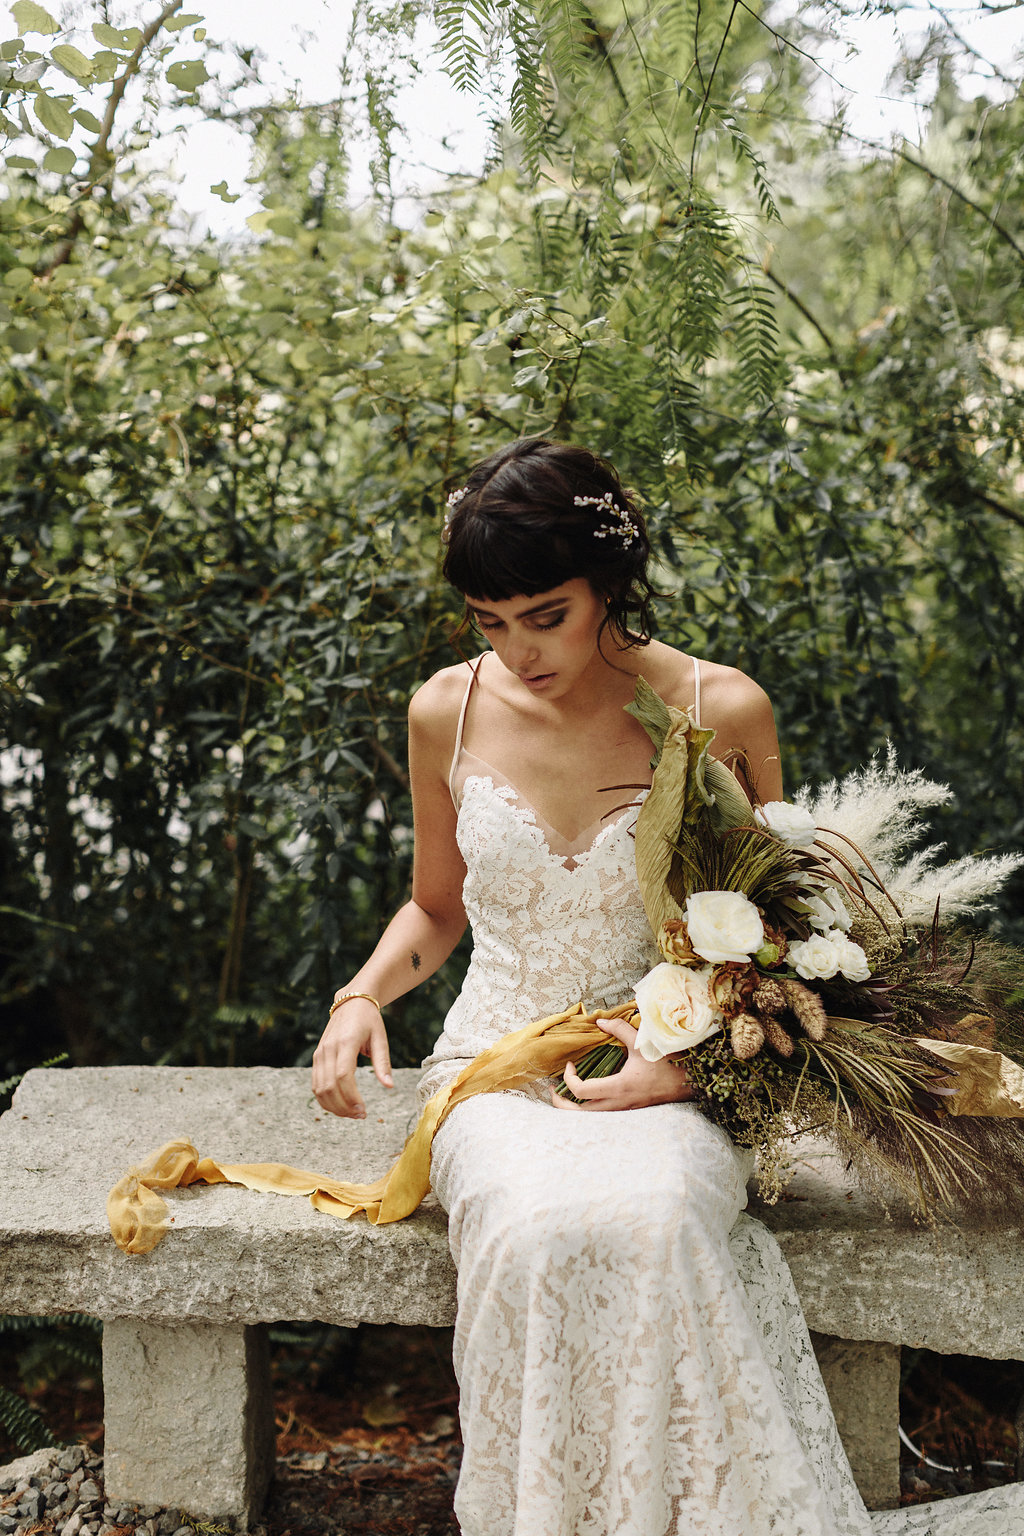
x=368 y=1441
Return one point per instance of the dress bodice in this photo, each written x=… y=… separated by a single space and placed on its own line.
x=549 y=929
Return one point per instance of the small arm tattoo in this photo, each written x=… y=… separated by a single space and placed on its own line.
x=416 y=962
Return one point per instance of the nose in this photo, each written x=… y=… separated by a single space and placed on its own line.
x=520 y=651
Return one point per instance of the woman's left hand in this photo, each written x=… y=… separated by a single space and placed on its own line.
x=637 y=1083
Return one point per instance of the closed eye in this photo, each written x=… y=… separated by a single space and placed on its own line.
x=488 y=626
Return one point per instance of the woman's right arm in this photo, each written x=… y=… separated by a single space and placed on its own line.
x=423 y=933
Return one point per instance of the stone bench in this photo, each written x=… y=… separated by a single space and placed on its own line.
x=188 y=1413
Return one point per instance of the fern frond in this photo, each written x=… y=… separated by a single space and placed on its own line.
x=754 y=332
x=746 y=154
x=461 y=24
x=26 y=1427
x=703 y=255
x=530 y=102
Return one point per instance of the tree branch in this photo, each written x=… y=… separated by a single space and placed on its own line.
x=98 y=155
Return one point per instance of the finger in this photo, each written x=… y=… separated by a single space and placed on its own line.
x=619 y=1030
x=583 y=1087
x=334 y=1086
x=380 y=1056
x=562 y=1103
x=347 y=1106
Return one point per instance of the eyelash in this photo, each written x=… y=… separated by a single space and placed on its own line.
x=551 y=624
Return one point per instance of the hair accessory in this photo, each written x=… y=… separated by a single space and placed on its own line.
x=622 y=525
x=454 y=497
x=347 y=997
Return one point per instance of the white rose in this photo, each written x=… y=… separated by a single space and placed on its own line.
x=676 y=1010
x=815 y=959
x=789 y=823
x=723 y=926
x=853 y=962
x=827 y=911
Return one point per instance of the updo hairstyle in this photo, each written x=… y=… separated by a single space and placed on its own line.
x=516 y=529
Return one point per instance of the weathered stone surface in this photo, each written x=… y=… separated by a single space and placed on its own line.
x=19 y=1473
x=188 y=1417
x=866 y=1273
x=236 y=1256
x=231 y=1255
x=863 y=1384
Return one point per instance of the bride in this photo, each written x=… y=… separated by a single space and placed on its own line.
x=631 y=1356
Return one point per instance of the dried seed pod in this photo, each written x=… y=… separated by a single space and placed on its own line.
x=674 y=943
x=746 y=1035
x=776 y=1036
x=769 y=997
x=731 y=987
x=808 y=1008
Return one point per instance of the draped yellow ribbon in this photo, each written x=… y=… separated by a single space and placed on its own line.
x=986 y=1082
x=138 y=1214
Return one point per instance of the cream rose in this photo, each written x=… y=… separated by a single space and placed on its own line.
x=723 y=925
x=815 y=959
x=853 y=962
x=676 y=1010
x=827 y=911
x=789 y=823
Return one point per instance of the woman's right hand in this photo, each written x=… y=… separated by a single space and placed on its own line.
x=355 y=1029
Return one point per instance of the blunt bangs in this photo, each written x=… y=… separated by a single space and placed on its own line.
x=498 y=558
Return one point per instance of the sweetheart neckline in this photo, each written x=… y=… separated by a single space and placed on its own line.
x=571 y=859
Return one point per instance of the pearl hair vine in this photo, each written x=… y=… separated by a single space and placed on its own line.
x=454 y=497
x=621 y=525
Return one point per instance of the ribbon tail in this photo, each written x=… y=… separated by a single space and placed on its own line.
x=138 y=1215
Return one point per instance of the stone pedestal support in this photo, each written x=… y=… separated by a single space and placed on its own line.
x=189 y=1420
x=863 y=1384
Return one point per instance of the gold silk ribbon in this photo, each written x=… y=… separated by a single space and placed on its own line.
x=137 y=1213
x=987 y=1083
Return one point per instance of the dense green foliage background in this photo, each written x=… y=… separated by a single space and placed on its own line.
x=224 y=467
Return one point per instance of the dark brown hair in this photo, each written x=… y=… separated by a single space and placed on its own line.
x=518 y=529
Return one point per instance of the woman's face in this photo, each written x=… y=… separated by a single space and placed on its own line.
x=549 y=641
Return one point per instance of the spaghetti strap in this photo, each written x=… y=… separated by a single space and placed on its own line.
x=696 y=694
x=474 y=667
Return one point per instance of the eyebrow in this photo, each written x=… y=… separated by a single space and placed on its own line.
x=558 y=602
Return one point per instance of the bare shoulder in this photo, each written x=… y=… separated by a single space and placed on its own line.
x=434 y=710
x=733 y=705
x=724 y=691
x=729 y=694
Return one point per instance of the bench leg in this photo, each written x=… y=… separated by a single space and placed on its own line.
x=189 y=1419
x=863 y=1384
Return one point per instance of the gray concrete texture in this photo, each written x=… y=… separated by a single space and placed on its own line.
x=863 y=1385
x=231 y=1255
x=234 y=1255
x=188 y=1417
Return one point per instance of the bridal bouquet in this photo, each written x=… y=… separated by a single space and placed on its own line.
x=810 y=981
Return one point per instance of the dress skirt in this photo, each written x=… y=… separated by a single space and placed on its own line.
x=631 y=1353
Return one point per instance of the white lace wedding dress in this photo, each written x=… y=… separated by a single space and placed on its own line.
x=631 y=1354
